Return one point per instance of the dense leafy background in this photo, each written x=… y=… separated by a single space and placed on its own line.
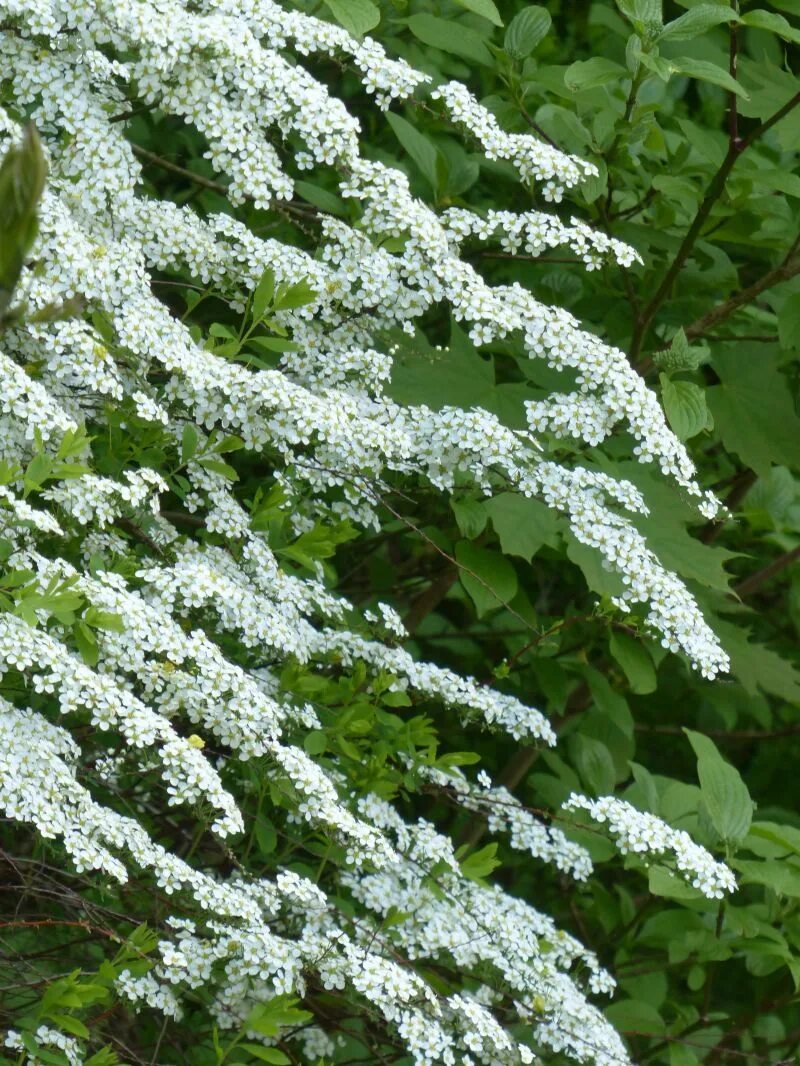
x=701 y=177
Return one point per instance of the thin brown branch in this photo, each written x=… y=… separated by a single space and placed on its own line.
x=713 y=193
x=430 y=599
x=525 y=258
x=534 y=125
x=787 y=269
x=766 y=573
x=182 y=172
x=724 y=734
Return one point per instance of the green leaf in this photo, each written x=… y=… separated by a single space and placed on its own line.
x=262 y=295
x=471 y=517
x=680 y=355
x=768 y=20
x=696 y=21
x=702 y=70
x=421 y=150
x=265 y=1054
x=357 y=16
x=274 y=344
x=189 y=440
x=22 y=175
x=480 y=864
x=635 y=661
x=276 y=1014
x=99 y=619
x=37 y=472
x=662 y=882
x=456 y=376
x=592 y=73
x=753 y=410
x=523 y=524
x=288 y=297
x=485 y=8
x=594 y=763
x=266 y=836
x=685 y=406
x=456 y=39
x=634 y=1015
x=487 y=576
x=784 y=838
x=217 y=466
x=778 y=874
x=104 y=1057
x=789 y=322
x=756 y=666
x=725 y=795
x=527 y=29
x=87 y=643
x=321 y=198
x=70 y=1025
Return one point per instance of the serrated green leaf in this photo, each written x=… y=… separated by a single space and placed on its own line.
x=266 y=836
x=685 y=407
x=321 y=198
x=725 y=794
x=777 y=874
x=753 y=410
x=480 y=864
x=289 y=297
x=100 y=619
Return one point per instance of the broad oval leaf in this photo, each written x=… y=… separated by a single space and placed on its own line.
x=696 y=21
x=685 y=407
x=357 y=16
x=526 y=30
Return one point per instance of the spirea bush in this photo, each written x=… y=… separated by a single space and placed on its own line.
x=196 y=416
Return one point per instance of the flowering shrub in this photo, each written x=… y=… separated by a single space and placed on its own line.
x=196 y=418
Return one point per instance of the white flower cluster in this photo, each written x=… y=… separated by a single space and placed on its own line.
x=233 y=70
x=535 y=160
x=505 y=814
x=450 y=917
x=643 y=834
x=536 y=232
x=47 y=1037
